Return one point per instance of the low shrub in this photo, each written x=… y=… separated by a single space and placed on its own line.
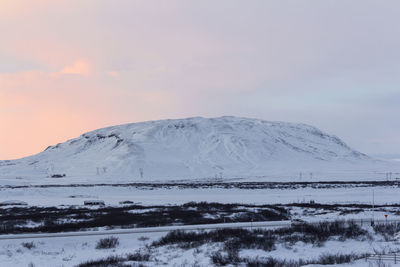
x=28 y=245
x=233 y=239
x=220 y=259
x=269 y=262
x=336 y=258
x=117 y=261
x=138 y=256
x=320 y=232
x=114 y=261
x=236 y=239
x=388 y=230
x=108 y=242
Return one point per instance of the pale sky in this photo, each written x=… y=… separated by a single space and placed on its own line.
x=67 y=67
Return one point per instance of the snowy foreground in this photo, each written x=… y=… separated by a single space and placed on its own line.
x=333 y=201
x=71 y=251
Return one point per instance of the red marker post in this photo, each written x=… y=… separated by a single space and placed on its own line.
x=386 y=218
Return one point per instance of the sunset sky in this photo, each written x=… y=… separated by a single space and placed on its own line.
x=67 y=67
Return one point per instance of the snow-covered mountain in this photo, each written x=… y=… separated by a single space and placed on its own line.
x=188 y=149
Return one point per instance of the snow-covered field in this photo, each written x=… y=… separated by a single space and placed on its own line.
x=112 y=195
x=70 y=251
x=66 y=251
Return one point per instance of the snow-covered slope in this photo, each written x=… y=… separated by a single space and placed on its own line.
x=188 y=149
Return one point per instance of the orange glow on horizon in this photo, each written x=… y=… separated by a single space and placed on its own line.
x=39 y=131
x=38 y=109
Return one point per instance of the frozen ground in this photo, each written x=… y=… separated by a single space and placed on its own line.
x=66 y=204
x=70 y=251
x=383 y=173
x=65 y=251
x=112 y=195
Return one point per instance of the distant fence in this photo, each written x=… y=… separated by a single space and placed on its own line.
x=383 y=257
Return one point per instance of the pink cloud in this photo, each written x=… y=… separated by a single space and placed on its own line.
x=80 y=67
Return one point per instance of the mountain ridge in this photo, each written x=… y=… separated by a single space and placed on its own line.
x=190 y=148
